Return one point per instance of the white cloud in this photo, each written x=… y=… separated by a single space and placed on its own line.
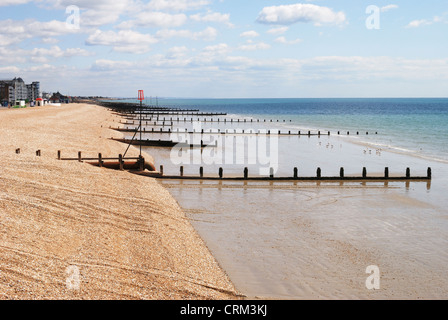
x=43 y=54
x=306 y=13
x=249 y=34
x=177 y=5
x=277 y=31
x=107 y=65
x=254 y=46
x=208 y=34
x=155 y=19
x=9 y=70
x=283 y=40
x=5 y=3
x=98 y=12
x=389 y=7
x=122 y=41
x=212 y=17
x=16 y=31
x=425 y=22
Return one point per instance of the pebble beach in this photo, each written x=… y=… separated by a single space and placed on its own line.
x=70 y=230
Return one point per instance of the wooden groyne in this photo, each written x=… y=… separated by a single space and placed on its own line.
x=163 y=143
x=295 y=177
x=138 y=165
x=234 y=132
x=117 y=163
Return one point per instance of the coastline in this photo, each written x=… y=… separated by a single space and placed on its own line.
x=125 y=234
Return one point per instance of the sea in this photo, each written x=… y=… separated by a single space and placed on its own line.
x=300 y=240
x=416 y=126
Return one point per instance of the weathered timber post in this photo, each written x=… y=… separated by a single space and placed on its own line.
x=100 y=160
x=296 y=173
x=429 y=173
x=319 y=173
x=120 y=161
x=79 y=156
x=364 y=172
x=246 y=173
x=141 y=163
x=408 y=173
x=220 y=173
x=386 y=172
x=341 y=173
x=59 y=154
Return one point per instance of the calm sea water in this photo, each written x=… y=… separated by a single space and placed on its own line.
x=415 y=126
x=312 y=240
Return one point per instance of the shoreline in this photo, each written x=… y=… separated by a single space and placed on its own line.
x=60 y=216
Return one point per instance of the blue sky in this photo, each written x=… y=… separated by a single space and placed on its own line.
x=228 y=48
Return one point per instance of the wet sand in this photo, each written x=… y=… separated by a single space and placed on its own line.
x=73 y=231
x=286 y=240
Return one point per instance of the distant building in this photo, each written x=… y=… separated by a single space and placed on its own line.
x=15 y=90
x=59 y=98
x=33 y=90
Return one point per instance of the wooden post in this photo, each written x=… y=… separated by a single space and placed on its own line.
x=38 y=153
x=18 y=150
x=161 y=170
x=220 y=173
x=100 y=160
x=296 y=173
x=341 y=173
x=364 y=172
x=386 y=172
x=429 y=173
x=201 y=172
x=141 y=162
x=59 y=154
x=271 y=174
x=79 y=156
x=408 y=173
x=182 y=171
x=246 y=173
x=319 y=173
x=120 y=161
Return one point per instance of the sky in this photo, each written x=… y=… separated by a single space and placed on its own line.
x=228 y=48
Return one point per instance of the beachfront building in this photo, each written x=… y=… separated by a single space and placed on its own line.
x=33 y=90
x=59 y=98
x=14 y=91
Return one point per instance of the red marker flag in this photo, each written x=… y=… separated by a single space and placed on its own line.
x=141 y=95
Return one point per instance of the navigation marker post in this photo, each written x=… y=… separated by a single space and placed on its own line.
x=141 y=97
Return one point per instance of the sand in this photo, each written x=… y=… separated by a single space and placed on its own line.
x=301 y=240
x=70 y=230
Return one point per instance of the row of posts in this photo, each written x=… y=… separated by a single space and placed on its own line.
x=258 y=132
x=296 y=172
